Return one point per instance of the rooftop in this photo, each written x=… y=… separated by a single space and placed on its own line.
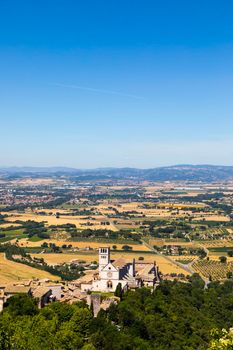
x=12 y=289
x=40 y=291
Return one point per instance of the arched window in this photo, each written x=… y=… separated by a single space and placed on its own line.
x=109 y=284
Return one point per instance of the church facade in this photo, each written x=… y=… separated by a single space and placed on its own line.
x=131 y=274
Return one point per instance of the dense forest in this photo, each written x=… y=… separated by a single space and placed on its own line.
x=175 y=316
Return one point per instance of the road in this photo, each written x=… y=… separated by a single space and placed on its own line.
x=187 y=267
x=168 y=258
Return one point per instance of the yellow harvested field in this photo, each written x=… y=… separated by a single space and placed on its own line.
x=213 y=218
x=151 y=189
x=162 y=242
x=217 y=243
x=26 y=243
x=32 y=181
x=162 y=210
x=11 y=271
x=55 y=211
x=220 y=218
x=215 y=256
x=211 y=215
x=157 y=242
x=129 y=206
x=178 y=205
x=184 y=257
x=9 y=225
x=164 y=265
x=156 y=212
x=53 y=259
x=189 y=194
x=78 y=221
x=137 y=207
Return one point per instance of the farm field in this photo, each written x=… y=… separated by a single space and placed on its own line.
x=161 y=242
x=215 y=256
x=115 y=212
x=213 y=269
x=217 y=243
x=11 y=271
x=12 y=235
x=160 y=210
x=17 y=231
x=180 y=205
x=211 y=217
x=24 y=242
x=165 y=266
x=78 y=221
x=34 y=181
x=9 y=225
x=53 y=259
x=182 y=258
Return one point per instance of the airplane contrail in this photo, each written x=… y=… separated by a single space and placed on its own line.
x=98 y=90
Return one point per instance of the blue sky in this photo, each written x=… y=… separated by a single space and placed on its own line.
x=116 y=83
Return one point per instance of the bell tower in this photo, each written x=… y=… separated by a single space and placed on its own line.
x=104 y=257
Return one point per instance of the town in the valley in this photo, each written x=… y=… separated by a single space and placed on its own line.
x=110 y=275
x=92 y=237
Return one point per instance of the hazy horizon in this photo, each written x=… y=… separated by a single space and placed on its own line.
x=95 y=84
x=102 y=167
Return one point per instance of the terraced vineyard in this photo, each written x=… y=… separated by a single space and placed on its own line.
x=215 y=269
x=217 y=243
x=184 y=261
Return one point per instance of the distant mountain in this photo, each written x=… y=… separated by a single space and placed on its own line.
x=206 y=173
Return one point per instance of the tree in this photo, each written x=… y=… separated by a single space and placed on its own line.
x=223 y=259
x=19 y=305
x=127 y=247
x=118 y=291
x=196 y=281
x=202 y=253
x=67 y=340
x=114 y=247
x=80 y=321
x=88 y=347
x=229 y=274
x=174 y=316
x=222 y=339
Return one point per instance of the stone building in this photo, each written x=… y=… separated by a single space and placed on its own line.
x=43 y=295
x=131 y=274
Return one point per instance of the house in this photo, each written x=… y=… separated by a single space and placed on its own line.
x=42 y=290
x=43 y=295
x=11 y=290
x=57 y=290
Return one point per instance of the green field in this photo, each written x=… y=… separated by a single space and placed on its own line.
x=15 y=232
x=220 y=249
x=103 y=240
x=5 y=239
x=35 y=239
x=184 y=261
